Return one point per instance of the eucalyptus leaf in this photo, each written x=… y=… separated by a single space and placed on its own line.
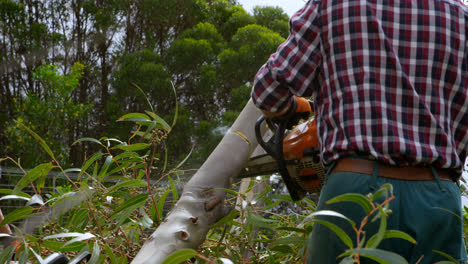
x=180 y=256
x=337 y=230
x=375 y=240
x=14 y=197
x=134 y=117
x=38 y=139
x=225 y=261
x=356 y=198
x=128 y=184
x=7 y=254
x=450 y=258
x=379 y=255
x=96 y=253
x=32 y=175
x=88 y=139
x=36 y=199
x=38 y=257
x=259 y=221
x=18 y=214
x=82 y=237
x=330 y=213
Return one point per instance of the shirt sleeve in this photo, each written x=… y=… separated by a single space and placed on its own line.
x=292 y=69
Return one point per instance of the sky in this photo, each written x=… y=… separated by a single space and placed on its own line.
x=289 y=6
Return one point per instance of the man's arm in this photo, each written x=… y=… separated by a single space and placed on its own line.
x=293 y=68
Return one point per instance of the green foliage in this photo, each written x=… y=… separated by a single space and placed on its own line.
x=105 y=209
x=273 y=18
x=115 y=201
x=51 y=114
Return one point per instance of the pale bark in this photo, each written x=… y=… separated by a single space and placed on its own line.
x=202 y=203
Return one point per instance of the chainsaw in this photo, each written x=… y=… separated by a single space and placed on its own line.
x=294 y=154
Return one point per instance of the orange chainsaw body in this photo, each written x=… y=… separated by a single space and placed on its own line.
x=303 y=137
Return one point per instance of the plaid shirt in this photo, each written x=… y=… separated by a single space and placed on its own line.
x=388 y=78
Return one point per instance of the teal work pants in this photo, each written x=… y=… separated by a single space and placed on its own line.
x=426 y=210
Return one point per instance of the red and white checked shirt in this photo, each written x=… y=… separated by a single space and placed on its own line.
x=388 y=78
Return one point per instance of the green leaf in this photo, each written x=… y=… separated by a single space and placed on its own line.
x=176 y=105
x=161 y=121
x=38 y=139
x=90 y=161
x=297 y=241
x=79 y=218
x=347 y=260
x=375 y=240
x=128 y=184
x=380 y=193
x=82 y=237
x=17 y=214
x=330 y=213
x=356 y=198
x=228 y=218
x=124 y=155
x=105 y=167
x=161 y=202
x=9 y=191
x=59 y=246
x=175 y=194
x=110 y=254
x=259 y=221
x=135 y=202
x=448 y=211
x=184 y=160
x=398 y=234
x=180 y=256
x=36 y=199
x=96 y=253
x=32 y=175
x=89 y=140
x=292 y=229
x=450 y=258
x=133 y=147
x=7 y=254
x=146 y=97
x=38 y=257
x=285 y=249
x=63 y=235
x=381 y=256
x=14 y=197
x=134 y=117
x=145 y=220
x=338 y=231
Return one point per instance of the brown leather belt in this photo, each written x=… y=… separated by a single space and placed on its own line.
x=401 y=173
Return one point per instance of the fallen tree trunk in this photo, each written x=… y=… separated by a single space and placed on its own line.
x=201 y=203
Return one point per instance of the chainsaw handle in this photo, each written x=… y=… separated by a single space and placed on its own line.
x=274 y=148
x=269 y=146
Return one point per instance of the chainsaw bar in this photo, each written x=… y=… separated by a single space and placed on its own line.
x=259 y=166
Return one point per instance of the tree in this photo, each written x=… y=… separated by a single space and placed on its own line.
x=273 y=18
x=50 y=114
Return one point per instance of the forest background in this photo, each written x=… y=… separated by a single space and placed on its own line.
x=70 y=69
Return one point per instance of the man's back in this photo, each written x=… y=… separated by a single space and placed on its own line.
x=389 y=81
x=392 y=78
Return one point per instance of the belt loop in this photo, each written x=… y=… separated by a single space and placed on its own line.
x=437 y=178
x=329 y=170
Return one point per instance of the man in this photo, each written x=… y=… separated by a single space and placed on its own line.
x=390 y=85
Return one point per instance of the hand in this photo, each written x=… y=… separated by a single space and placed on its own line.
x=300 y=108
